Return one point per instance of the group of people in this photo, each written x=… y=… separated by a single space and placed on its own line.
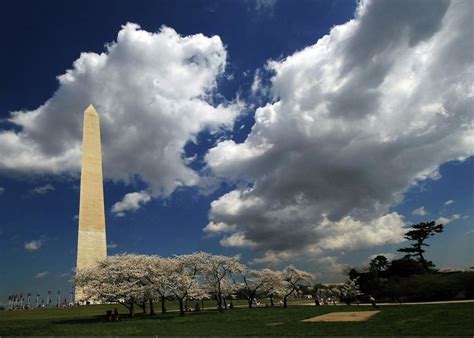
x=326 y=301
x=113 y=315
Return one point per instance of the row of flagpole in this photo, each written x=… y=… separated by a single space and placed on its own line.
x=20 y=301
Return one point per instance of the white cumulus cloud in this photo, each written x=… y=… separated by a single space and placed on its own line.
x=236 y=240
x=131 y=202
x=220 y=227
x=33 y=245
x=274 y=257
x=421 y=211
x=154 y=92
x=355 y=120
x=448 y=219
x=332 y=264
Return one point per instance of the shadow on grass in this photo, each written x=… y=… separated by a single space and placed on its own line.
x=86 y=320
x=103 y=319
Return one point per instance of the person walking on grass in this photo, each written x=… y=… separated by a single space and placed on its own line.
x=372 y=301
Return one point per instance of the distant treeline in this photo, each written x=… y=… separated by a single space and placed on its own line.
x=413 y=277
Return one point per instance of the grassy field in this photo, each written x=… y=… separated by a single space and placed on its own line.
x=439 y=319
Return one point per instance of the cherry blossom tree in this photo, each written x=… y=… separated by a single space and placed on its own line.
x=292 y=280
x=199 y=293
x=335 y=293
x=273 y=284
x=131 y=279
x=253 y=280
x=229 y=288
x=215 y=270
x=116 y=279
x=158 y=272
x=182 y=279
x=351 y=290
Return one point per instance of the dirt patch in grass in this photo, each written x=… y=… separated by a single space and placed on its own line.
x=356 y=316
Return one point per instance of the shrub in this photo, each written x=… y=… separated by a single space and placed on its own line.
x=429 y=287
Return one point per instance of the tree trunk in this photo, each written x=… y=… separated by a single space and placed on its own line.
x=219 y=302
x=285 y=302
x=142 y=305
x=425 y=263
x=152 y=309
x=181 y=307
x=225 y=303
x=163 y=308
x=131 y=310
x=250 y=302
x=271 y=300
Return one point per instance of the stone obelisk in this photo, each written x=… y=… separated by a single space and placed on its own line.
x=91 y=244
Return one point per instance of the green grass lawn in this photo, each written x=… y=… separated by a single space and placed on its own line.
x=413 y=320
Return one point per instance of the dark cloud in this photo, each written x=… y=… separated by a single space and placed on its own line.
x=368 y=111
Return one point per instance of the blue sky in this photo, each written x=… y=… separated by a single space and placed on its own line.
x=258 y=137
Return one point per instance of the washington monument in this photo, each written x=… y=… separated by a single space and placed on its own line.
x=91 y=244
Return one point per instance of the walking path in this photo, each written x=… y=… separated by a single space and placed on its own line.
x=343 y=304
x=384 y=304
